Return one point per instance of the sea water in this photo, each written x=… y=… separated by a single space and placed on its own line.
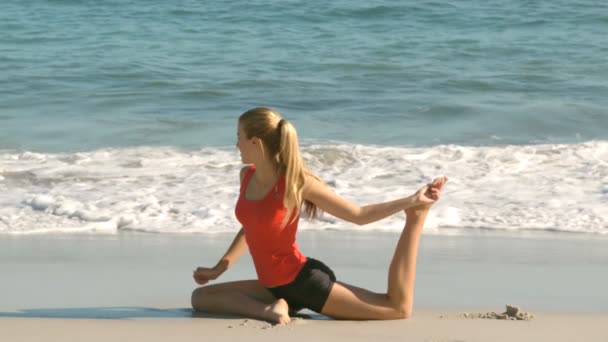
x=121 y=115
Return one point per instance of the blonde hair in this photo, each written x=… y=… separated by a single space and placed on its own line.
x=280 y=140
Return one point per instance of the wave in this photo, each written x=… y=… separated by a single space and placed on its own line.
x=550 y=187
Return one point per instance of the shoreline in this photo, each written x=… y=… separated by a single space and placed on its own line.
x=447 y=232
x=138 y=286
x=539 y=274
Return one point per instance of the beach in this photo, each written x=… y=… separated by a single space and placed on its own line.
x=138 y=285
x=119 y=172
x=425 y=327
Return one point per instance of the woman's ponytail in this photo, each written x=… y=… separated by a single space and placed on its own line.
x=281 y=139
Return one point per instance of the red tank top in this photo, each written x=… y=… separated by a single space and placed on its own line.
x=274 y=251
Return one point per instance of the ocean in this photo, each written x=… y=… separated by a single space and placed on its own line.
x=121 y=115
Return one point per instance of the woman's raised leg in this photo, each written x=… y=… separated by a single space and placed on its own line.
x=350 y=302
x=244 y=298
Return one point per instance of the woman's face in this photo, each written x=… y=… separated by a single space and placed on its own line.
x=245 y=146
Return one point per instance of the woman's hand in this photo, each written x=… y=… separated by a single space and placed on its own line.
x=430 y=193
x=202 y=275
x=427 y=195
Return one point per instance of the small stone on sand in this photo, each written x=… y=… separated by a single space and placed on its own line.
x=512 y=313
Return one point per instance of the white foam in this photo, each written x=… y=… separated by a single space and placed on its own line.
x=166 y=190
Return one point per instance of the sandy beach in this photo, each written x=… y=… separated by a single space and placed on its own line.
x=137 y=286
x=436 y=326
x=121 y=148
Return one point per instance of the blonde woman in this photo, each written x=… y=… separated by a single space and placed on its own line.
x=274 y=189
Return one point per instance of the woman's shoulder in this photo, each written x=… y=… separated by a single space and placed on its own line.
x=312 y=182
x=245 y=169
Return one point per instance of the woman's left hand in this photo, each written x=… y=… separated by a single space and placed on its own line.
x=427 y=195
x=430 y=193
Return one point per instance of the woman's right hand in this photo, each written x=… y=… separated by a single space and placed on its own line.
x=203 y=275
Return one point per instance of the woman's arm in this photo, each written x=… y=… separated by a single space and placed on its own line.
x=202 y=275
x=330 y=202
x=239 y=245
x=234 y=252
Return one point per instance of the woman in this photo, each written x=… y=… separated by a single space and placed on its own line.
x=273 y=190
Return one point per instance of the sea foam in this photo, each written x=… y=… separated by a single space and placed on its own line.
x=167 y=190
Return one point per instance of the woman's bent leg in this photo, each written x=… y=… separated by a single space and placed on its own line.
x=350 y=302
x=402 y=272
x=245 y=298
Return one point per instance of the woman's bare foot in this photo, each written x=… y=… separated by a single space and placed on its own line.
x=278 y=312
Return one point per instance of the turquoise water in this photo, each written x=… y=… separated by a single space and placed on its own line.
x=121 y=115
x=83 y=75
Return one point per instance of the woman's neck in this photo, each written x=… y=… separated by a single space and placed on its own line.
x=266 y=172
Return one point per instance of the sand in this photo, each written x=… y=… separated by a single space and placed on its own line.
x=137 y=287
x=432 y=326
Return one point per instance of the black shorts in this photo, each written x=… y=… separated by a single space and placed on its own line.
x=310 y=289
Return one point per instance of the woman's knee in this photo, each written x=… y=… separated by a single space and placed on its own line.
x=199 y=296
x=401 y=311
x=404 y=313
x=194 y=300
